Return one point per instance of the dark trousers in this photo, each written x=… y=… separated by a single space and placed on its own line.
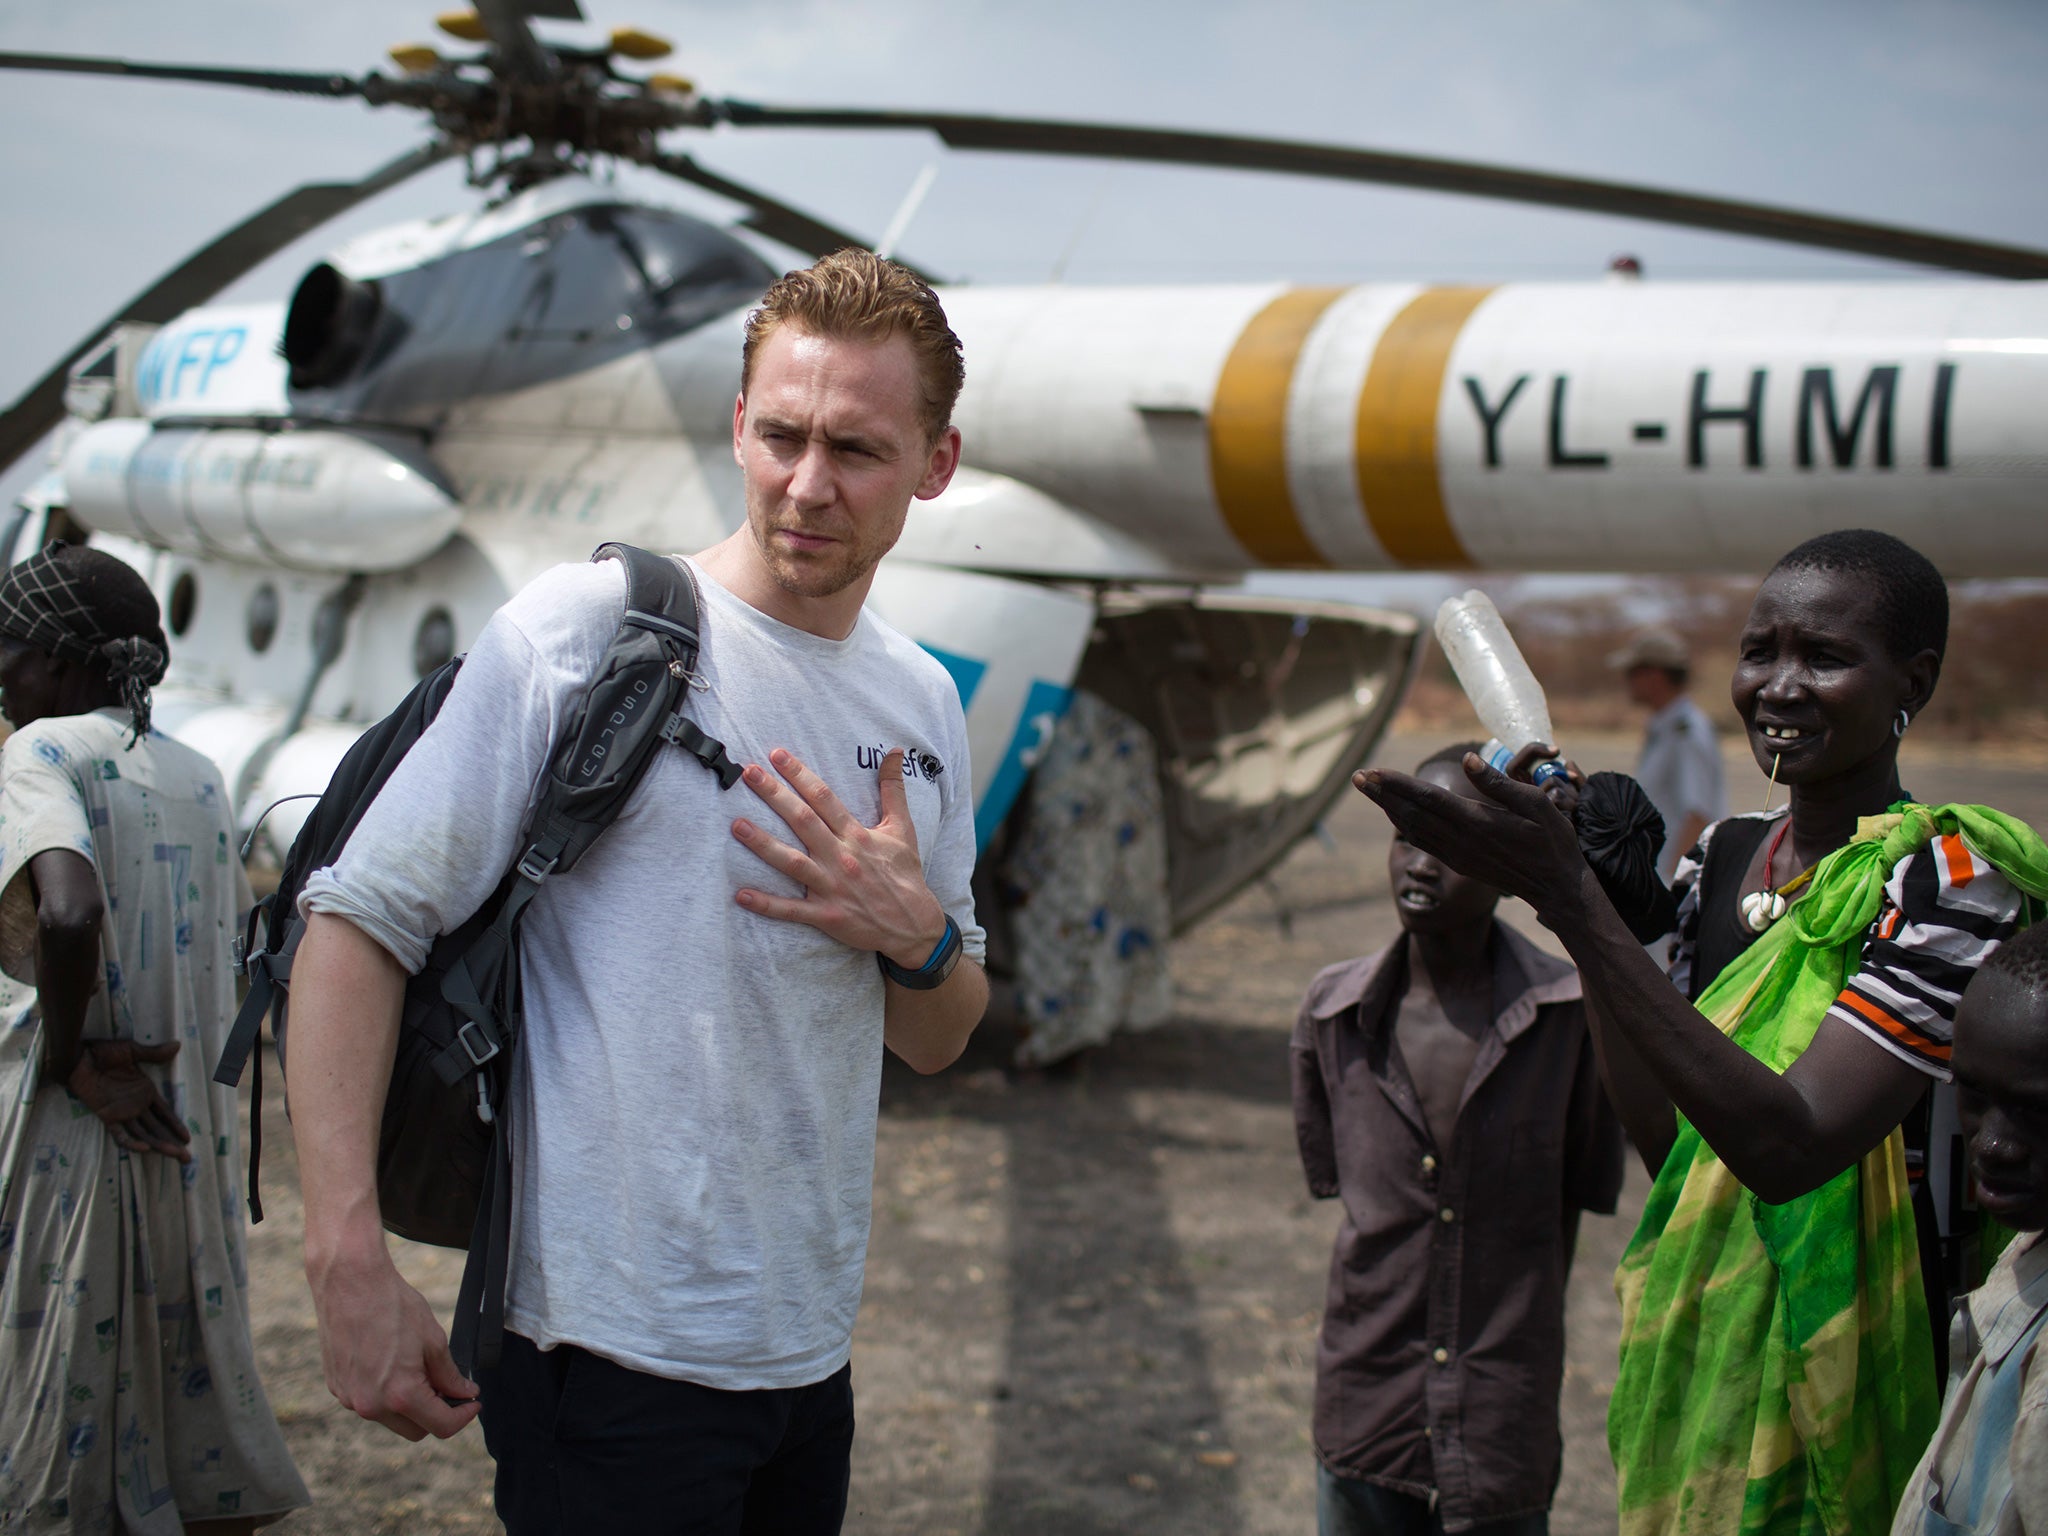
x=583 y=1444
x=1350 y=1506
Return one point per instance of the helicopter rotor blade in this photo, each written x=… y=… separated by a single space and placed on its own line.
x=1227 y=151
x=773 y=218
x=204 y=273
x=296 y=82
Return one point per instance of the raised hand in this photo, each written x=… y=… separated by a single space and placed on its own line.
x=863 y=886
x=110 y=1082
x=1564 y=790
x=1515 y=839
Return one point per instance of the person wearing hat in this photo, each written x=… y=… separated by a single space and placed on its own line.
x=1680 y=766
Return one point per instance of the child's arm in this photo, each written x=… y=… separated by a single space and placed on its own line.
x=1312 y=1111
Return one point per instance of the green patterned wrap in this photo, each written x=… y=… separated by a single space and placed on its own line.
x=1777 y=1373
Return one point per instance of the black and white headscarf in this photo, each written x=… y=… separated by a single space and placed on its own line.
x=43 y=605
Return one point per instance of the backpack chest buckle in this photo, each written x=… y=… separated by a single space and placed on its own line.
x=476 y=1043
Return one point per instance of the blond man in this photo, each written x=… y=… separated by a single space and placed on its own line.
x=708 y=993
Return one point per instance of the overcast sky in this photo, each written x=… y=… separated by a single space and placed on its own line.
x=1928 y=113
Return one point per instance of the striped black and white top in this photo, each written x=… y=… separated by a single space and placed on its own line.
x=1944 y=910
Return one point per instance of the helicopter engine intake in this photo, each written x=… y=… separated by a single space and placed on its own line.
x=328 y=326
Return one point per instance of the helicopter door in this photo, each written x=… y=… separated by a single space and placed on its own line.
x=1261 y=709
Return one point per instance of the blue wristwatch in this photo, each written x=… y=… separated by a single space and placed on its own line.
x=934 y=970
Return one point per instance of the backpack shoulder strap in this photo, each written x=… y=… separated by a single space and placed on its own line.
x=662 y=595
x=635 y=703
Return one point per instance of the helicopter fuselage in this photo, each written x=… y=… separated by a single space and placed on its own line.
x=445 y=409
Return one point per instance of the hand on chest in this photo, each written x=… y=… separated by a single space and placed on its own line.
x=813 y=785
x=829 y=803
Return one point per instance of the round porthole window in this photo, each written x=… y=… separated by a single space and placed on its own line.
x=262 y=618
x=433 y=645
x=184 y=602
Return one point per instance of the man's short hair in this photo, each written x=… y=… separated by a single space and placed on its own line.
x=854 y=295
x=1911 y=598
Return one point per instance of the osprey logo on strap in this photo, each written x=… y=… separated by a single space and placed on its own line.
x=624 y=709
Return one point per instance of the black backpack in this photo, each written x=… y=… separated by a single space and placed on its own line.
x=443 y=1165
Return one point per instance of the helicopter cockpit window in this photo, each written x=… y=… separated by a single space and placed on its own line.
x=591 y=281
x=687 y=271
x=572 y=284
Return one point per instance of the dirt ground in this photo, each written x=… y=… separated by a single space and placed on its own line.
x=1092 y=1294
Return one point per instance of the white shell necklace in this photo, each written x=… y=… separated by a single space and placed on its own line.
x=1764 y=907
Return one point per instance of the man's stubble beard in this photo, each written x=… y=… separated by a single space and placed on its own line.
x=842 y=567
x=844 y=564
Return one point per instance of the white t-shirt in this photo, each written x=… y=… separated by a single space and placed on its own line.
x=694 y=1120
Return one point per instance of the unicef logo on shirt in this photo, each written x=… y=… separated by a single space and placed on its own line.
x=917 y=764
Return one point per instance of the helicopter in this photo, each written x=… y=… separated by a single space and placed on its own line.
x=331 y=492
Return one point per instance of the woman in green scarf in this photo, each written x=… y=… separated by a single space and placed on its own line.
x=1777 y=1369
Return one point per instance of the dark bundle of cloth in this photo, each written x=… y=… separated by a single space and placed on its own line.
x=1621 y=834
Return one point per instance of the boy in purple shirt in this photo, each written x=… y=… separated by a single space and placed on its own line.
x=1445 y=1089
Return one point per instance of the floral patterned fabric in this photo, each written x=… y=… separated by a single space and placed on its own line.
x=1088 y=876
x=130 y=1398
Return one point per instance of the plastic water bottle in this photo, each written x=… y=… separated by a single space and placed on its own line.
x=1504 y=692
